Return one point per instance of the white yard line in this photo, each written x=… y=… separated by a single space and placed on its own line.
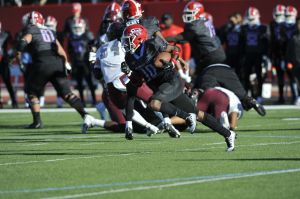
x=182 y=183
x=59 y=110
x=149 y=152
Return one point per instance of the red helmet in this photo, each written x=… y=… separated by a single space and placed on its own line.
x=290 y=14
x=133 y=36
x=36 y=18
x=278 y=13
x=76 y=8
x=51 y=23
x=207 y=16
x=112 y=12
x=253 y=16
x=131 y=10
x=192 y=11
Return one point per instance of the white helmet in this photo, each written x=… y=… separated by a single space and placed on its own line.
x=253 y=16
x=290 y=14
x=279 y=13
x=78 y=27
x=51 y=23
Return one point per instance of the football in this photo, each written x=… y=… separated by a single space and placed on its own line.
x=162 y=56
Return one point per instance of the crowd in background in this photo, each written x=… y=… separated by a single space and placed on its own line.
x=258 y=52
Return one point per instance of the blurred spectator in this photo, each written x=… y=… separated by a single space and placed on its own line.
x=5 y=39
x=254 y=41
x=293 y=55
x=168 y=28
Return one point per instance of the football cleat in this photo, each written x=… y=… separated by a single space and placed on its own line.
x=230 y=141
x=35 y=126
x=152 y=130
x=88 y=122
x=172 y=131
x=129 y=134
x=249 y=103
x=191 y=122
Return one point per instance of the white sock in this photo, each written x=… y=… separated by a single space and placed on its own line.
x=139 y=119
x=42 y=101
x=99 y=122
x=129 y=124
x=167 y=120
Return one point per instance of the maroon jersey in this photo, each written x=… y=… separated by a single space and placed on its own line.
x=213 y=101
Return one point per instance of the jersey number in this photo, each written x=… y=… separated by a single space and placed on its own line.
x=47 y=35
x=211 y=28
x=149 y=71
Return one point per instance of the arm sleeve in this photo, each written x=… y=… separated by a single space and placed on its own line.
x=186 y=54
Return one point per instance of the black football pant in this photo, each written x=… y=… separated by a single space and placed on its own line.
x=5 y=73
x=280 y=70
x=253 y=61
x=220 y=75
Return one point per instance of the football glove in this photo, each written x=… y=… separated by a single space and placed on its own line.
x=68 y=68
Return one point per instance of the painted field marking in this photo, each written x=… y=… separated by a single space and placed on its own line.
x=149 y=152
x=291 y=119
x=196 y=180
x=142 y=182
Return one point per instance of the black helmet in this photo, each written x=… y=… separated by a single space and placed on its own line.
x=115 y=31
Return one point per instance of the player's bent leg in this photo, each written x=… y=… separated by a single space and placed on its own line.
x=213 y=124
x=35 y=111
x=75 y=103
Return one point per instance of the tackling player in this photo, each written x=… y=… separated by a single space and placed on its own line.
x=210 y=56
x=49 y=65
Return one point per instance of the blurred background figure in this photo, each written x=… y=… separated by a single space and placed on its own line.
x=76 y=14
x=230 y=35
x=51 y=23
x=293 y=55
x=290 y=29
x=168 y=28
x=112 y=14
x=255 y=49
x=277 y=47
x=5 y=39
x=78 y=48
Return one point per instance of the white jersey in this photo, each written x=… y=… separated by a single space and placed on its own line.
x=109 y=58
x=235 y=104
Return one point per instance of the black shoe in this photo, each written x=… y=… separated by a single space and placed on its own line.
x=250 y=102
x=128 y=134
x=172 y=131
x=35 y=126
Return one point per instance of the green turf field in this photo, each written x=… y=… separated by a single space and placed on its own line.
x=59 y=162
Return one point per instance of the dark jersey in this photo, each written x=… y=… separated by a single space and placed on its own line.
x=231 y=38
x=141 y=62
x=78 y=46
x=206 y=46
x=43 y=39
x=255 y=39
x=289 y=31
x=277 y=40
x=4 y=38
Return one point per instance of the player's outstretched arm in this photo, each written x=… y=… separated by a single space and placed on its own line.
x=26 y=39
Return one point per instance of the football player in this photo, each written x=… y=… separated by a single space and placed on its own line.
x=210 y=56
x=78 y=47
x=5 y=38
x=254 y=38
x=49 y=65
x=160 y=75
x=221 y=103
x=290 y=29
x=108 y=64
